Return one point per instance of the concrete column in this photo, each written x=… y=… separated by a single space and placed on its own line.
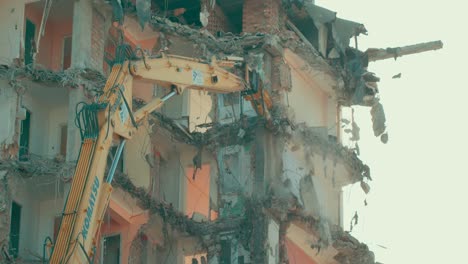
x=82 y=30
x=259 y=223
x=259 y=178
x=81 y=54
x=11 y=25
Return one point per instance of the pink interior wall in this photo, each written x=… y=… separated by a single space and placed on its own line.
x=197 y=196
x=60 y=31
x=296 y=255
x=122 y=223
x=51 y=44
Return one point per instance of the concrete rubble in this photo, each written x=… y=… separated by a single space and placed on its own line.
x=270 y=186
x=92 y=80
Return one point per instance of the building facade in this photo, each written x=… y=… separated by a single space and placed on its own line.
x=205 y=179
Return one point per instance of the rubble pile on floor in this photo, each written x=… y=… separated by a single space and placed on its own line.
x=90 y=79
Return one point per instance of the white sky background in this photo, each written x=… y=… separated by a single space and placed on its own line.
x=418 y=204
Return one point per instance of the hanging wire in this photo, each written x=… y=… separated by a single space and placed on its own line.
x=45 y=16
x=166 y=7
x=86 y=119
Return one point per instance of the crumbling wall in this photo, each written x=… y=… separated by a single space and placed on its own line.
x=307 y=103
x=264 y=169
x=135 y=157
x=265 y=173
x=20 y=96
x=218 y=21
x=319 y=145
x=261 y=16
x=350 y=250
x=327 y=157
x=37 y=186
x=305 y=169
x=172 y=223
x=5 y=209
x=19 y=190
x=98 y=36
x=11 y=26
x=297 y=179
x=8 y=114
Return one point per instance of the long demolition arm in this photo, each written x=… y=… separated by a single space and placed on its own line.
x=109 y=119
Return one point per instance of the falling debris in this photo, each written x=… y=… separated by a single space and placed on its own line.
x=355 y=132
x=378 y=119
x=365 y=187
x=354 y=221
x=384 y=138
x=396 y=76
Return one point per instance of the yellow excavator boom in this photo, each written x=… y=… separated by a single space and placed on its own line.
x=110 y=119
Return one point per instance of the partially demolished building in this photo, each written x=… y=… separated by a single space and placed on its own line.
x=206 y=179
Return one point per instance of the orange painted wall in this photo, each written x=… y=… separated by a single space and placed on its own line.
x=197 y=197
x=296 y=255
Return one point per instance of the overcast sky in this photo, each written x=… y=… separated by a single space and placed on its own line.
x=418 y=205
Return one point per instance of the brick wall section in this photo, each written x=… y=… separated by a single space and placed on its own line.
x=218 y=21
x=261 y=16
x=97 y=40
